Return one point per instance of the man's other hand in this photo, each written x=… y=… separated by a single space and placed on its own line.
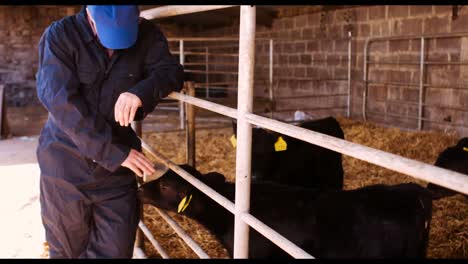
x=138 y=163
x=125 y=108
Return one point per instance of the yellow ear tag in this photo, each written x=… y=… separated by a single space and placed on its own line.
x=233 y=141
x=465 y=149
x=183 y=204
x=281 y=145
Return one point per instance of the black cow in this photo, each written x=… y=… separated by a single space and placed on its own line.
x=453 y=158
x=372 y=222
x=301 y=164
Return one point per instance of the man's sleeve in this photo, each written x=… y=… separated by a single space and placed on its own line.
x=163 y=75
x=58 y=91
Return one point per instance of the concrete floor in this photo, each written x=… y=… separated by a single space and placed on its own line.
x=20 y=224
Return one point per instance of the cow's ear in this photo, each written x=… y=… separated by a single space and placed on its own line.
x=463 y=143
x=214 y=179
x=234 y=126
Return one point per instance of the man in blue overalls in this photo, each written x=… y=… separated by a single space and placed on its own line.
x=99 y=70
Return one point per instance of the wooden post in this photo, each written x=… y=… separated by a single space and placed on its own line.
x=190 y=131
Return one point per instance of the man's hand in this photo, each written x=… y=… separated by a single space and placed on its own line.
x=125 y=108
x=138 y=163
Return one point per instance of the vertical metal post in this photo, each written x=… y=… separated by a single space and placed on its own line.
x=181 y=104
x=139 y=239
x=364 y=93
x=270 y=79
x=348 y=112
x=421 y=85
x=244 y=128
x=190 y=131
x=207 y=73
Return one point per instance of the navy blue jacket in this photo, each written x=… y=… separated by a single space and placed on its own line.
x=79 y=85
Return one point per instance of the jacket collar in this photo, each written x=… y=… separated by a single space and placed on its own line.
x=84 y=26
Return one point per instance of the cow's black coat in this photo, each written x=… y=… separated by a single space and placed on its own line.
x=372 y=222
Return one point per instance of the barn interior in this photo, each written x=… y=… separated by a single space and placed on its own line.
x=394 y=76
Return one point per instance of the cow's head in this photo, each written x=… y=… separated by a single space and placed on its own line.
x=174 y=193
x=453 y=158
x=263 y=151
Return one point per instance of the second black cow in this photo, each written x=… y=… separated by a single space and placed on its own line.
x=286 y=160
x=372 y=222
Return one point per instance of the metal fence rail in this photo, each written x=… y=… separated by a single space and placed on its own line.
x=202 y=60
x=416 y=169
x=422 y=72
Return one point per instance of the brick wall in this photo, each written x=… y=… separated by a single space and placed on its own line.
x=311 y=45
x=20 y=30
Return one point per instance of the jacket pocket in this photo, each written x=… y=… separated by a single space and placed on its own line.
x=125 y=79
x=88 y=85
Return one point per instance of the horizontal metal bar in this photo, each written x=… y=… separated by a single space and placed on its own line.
x=309 y=96
x=175 y=10
x=187 y=239
x=203 y=84
x=309 y=109
x=153 y=241
x=428 y=105
x=217 y=87
x=416 y=118
x=220 y=109
x=212 y=72
x=209 y=54
x=417 y=63
x=211 y=47
x=211 y=64
x=443 y=177
x=394 y=83
x=306 y=79
x=309 y=40
x=275 y=237
x=428 y=36
x=221 y=47
x=427 y=85
x=216 y=83
x=394 y=62
x=215 y=39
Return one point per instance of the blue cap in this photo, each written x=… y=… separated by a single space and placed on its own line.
x=116 y=25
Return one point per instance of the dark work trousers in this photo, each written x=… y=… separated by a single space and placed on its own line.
x=90 y=221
